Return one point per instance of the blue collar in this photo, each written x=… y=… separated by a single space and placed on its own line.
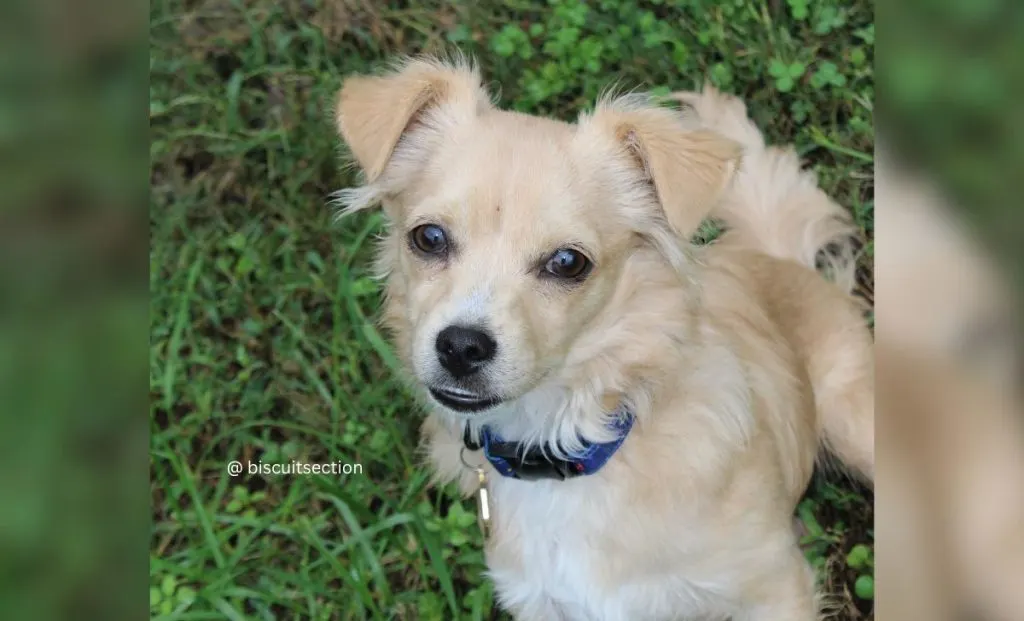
x=509 y=458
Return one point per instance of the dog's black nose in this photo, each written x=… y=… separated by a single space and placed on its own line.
x=464 y=350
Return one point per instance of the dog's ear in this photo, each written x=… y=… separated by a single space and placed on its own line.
x=373 y=112
x=687 y=166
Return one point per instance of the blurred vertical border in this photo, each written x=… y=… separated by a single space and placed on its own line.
x=73 y=309
x=949 y=221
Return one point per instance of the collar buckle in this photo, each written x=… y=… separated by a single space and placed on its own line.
x=533 y=465
x=510 y=460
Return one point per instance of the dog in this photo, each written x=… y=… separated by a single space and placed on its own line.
x=646 y=413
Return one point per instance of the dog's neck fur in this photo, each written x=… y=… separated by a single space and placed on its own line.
x=607 y=366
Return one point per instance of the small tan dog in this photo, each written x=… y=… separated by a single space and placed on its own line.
x=650 y=412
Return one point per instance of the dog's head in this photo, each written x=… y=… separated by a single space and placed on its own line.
x=509 y=234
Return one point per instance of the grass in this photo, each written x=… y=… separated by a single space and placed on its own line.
x=264 y=346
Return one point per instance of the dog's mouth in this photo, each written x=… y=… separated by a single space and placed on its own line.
x=463 y=401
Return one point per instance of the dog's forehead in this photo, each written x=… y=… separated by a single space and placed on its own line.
x=509 y=168
x=514 y=147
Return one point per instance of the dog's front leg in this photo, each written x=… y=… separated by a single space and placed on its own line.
x=785 y=594
x=524 y=599
x=541 y=608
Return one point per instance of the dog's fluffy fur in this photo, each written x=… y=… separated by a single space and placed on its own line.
x=738 y=360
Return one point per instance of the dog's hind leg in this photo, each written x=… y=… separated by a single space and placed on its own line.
x=841 y=366
x=828 y=332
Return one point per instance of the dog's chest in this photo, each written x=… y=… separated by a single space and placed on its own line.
x=560 y=553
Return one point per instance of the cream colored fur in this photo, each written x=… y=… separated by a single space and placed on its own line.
x=738 y=360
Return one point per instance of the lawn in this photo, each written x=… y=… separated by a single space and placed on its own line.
x=264 y=345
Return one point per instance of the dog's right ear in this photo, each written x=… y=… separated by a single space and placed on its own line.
x=374 y=112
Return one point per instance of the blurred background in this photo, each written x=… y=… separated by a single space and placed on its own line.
x=257 y=320
x=73 y=310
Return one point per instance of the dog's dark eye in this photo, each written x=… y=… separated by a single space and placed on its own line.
x=568 y=263
x=429 y=239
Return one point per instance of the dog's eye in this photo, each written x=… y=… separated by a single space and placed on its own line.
x=568 y=263
x=429 y=239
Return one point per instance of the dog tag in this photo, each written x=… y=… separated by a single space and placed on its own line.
x=483 y=504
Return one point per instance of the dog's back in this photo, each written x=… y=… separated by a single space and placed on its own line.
x=781 y=227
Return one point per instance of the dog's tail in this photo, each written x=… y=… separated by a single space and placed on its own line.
x=774 y=206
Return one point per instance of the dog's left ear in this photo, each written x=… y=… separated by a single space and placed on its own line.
x=688 y=167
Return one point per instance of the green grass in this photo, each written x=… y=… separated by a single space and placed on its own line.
x=264 y=345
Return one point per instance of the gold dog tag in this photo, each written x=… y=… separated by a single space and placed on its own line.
x=483 y=504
